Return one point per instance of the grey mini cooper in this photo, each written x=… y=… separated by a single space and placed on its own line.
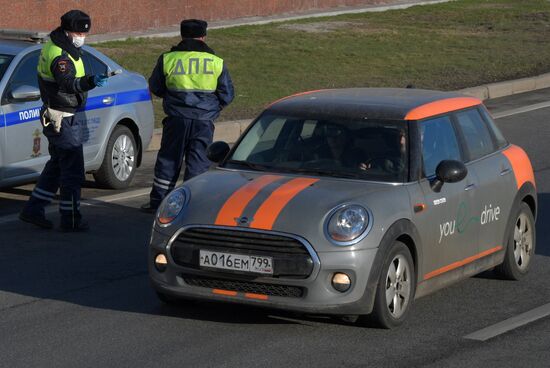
x=349 y=202
x=119 y=117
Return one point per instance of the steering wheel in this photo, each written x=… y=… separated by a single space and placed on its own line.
x=385 y=163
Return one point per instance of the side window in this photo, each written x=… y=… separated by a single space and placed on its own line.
x=476 y=134
x=93 y=65
x=308 y=128
x=501 y=141
x=26 y=72
x=439 y=143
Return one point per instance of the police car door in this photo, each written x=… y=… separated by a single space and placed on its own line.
x=450 y=220
x=98 y=114
x=26 y=149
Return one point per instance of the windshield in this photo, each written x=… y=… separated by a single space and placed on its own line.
x=4 y=63
x=361 y=149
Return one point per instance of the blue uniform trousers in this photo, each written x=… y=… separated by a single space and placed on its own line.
x=181 y=138
x=64 y=171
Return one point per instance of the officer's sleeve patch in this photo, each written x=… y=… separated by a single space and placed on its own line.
x=62 y=66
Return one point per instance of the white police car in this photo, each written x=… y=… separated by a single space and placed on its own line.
x=119 y=117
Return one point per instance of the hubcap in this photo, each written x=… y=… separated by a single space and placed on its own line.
x=123 y=157
x=398 y=286
x=523 y=242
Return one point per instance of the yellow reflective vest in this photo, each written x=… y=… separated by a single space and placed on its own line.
x=191 y=71
x=50 y=51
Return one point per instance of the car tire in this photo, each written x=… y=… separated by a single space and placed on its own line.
x=119 y=164
x=399 y=287
x=520 y=244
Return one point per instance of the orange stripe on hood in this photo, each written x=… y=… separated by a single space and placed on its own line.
x=269 y=210
x=441 y=107
x=235 y=205
x=520 y=165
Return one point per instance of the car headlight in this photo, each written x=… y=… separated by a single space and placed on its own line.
x=172 y=205
x=347 y=223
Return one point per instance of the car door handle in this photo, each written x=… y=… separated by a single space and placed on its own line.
x=505 y=172
x=108 y=100
x=469 y=187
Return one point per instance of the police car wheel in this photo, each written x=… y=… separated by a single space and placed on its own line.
x=119 y=164
x=520 y=247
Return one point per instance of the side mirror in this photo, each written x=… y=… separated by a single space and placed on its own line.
x=24 y=93
x=217 y=151
x=448 y=171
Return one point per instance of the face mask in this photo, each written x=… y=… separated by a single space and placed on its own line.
x=78 y=41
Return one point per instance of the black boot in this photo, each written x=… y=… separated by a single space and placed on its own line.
x=148 y=208
x=37 y=220
x=75 y=226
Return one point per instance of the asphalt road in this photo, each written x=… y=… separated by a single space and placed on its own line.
x=83 y=300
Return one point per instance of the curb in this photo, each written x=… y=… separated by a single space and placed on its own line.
x=229 y=131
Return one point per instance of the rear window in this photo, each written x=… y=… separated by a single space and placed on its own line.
x=5 y=61
x=499 y=138
x=476 y=134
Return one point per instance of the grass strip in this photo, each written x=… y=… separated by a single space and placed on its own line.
x=443 y=46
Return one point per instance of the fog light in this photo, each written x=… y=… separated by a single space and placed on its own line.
x=161 y=262
x=341 y=282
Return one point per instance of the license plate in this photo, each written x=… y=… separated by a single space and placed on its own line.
x=236 y=262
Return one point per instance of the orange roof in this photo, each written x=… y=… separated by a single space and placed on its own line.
x=441 y=107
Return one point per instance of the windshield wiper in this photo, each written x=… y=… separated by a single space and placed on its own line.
x=250 y=165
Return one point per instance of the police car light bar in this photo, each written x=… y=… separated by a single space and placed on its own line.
x=21 y=34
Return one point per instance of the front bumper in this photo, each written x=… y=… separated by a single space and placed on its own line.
x=311 y=294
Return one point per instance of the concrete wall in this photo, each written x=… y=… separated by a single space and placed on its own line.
x=139 y=15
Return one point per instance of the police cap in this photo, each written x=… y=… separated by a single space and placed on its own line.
x=193 y=28
x=76 y=21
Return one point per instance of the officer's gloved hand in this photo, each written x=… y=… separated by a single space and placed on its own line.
x=100 y=80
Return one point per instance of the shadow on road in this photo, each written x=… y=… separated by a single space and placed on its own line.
x=105 y=268
x=543 y=228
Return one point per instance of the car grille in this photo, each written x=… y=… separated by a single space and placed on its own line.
x=290 y=257
x=244 y=286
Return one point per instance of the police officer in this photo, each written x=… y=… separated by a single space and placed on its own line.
x=63 y=86
x=195 y=86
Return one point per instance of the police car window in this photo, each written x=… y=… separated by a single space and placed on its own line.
x=439 y=143
x=26 y=72
x=5 y=61
x=93 y=65
x=476 y=134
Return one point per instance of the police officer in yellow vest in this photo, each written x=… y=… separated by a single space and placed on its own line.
x=195 y=86
x=63 y=86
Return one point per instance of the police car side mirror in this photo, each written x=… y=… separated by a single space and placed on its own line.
x=217 y=151
x=448 y=171
x=24 y=93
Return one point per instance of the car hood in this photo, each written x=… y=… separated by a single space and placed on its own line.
x=297 y=205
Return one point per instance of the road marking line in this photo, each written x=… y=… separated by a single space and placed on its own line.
x=510 y=324
x=90 y=202
x=521 y=110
